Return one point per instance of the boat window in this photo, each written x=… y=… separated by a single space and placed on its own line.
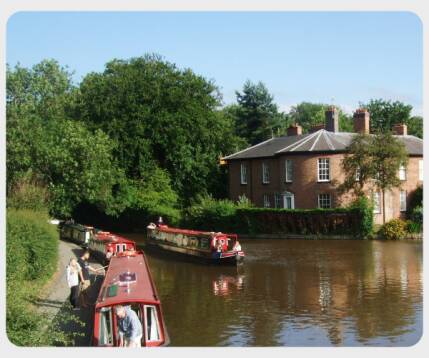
x=121 y=247
x=204 y=243
x=106 y=330
x=152 y=324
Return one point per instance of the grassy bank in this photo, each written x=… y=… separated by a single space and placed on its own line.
x=31 y=260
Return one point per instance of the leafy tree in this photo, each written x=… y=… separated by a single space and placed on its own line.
x=257 y=116
x=159 y=116
x=385 y=114
x=377 y=158
x=308 y=114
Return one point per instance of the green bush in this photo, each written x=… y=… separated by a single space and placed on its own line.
x=414 y=227
x=31 y=259
x=395 y=229
x=365 y=208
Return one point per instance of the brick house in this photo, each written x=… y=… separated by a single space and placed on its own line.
x=303 y=170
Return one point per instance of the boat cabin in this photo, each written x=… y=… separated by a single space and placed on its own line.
x=104 y=245
x=128 y=282
x=80 y=234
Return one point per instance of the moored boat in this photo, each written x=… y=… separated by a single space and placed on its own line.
x=77 y=233
x=128 y=282
x=208 y=247
x=104 y=244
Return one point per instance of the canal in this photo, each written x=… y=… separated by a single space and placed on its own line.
x=296 y=293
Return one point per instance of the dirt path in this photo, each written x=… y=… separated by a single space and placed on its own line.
x=55 y=301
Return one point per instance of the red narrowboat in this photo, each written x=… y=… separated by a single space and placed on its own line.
x=104 y=245
x=209 y=247
x=128 y=282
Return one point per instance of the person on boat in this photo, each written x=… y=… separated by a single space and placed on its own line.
x=237 y=246
x=73 y=271
x=109 y=254
x=85 y=278
x=129 y=327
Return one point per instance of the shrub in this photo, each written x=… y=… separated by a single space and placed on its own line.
x=27 y=193
x=365 y=207
x=395 y=229
x=413 y=227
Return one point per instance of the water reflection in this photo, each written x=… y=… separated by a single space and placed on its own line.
x=297 y=293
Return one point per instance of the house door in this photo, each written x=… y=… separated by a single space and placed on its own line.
x=288 y=200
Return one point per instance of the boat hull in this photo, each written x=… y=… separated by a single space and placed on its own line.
x=195 y=255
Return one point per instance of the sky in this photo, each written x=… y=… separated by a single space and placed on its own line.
x=342 y=58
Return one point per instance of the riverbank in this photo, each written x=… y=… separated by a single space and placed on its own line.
x=54 y=302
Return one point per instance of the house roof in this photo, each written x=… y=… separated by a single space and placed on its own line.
x=319 y=141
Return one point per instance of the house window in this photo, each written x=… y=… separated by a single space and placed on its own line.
x=323 y=169
x=288 y=200
x=324 y=201
x=267 y=203
x=420 y=169
x=357 y=174
x=403 y=200
x=243 y=172
x=265 y=173
x=402 y=172
x=288 y=170
x=376 y=202
x=278 y=201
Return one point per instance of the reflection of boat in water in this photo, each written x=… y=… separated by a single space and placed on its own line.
x=128 y=282
x=224 y=284
x=209 y=247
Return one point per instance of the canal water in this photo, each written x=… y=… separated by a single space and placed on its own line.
x=296 y=293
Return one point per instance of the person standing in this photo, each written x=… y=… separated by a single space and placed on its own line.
x=129 y=327
x=73 y=271
x=85 y=279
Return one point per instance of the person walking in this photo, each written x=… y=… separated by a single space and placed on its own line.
x=85 y=283
x=129 y=327
x=73 y=271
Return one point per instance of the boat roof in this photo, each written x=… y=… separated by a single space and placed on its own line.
x=174 y=230
x=316 y=142
x=123 y=269
x=109 y=237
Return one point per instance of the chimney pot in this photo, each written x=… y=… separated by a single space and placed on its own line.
x=361 y=121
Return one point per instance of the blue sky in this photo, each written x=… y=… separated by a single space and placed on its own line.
x=331 y=57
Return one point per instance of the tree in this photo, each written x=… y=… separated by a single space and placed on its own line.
x=385 y=114
x=257 y=117
x=309 y=114
x=377 y=158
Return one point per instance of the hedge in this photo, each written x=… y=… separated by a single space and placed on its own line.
x=355 y=220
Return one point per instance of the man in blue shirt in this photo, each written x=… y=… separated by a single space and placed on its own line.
x=130 y=327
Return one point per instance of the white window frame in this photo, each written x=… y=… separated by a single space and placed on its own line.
x=324 y=197
x=290 y=195
x=288 y=171
x=243 y=173
x=146 y=335
x=402 y=201
x=265 y=173
x=278 y=201
x=267 y=203
x=402 y=172
x=421 y=169
x=323 y=165
x=376 y=199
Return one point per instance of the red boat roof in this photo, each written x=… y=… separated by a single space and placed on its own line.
x=166 y=228
x=132 y=269
x=108 y=236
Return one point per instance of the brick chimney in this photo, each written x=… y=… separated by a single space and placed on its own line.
x=331 y=119
x=400 y=129
x=294 y=129
x=361 y=121
x=316 y=127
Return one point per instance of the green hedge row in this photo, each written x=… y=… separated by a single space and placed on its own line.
x=356 y=220
x=31 y=259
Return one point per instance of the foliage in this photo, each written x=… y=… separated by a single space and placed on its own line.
x=417 y=215
x=308 y=114
x=414 y=227
x=366 y=211
x=28 y=193
x=159 y=115
x=357 y=165
x=257 y=116
x=224 y=215
x=394 y=229
x=416 y=198
x=385 y=114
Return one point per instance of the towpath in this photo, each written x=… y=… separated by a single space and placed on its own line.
x=55 y=300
